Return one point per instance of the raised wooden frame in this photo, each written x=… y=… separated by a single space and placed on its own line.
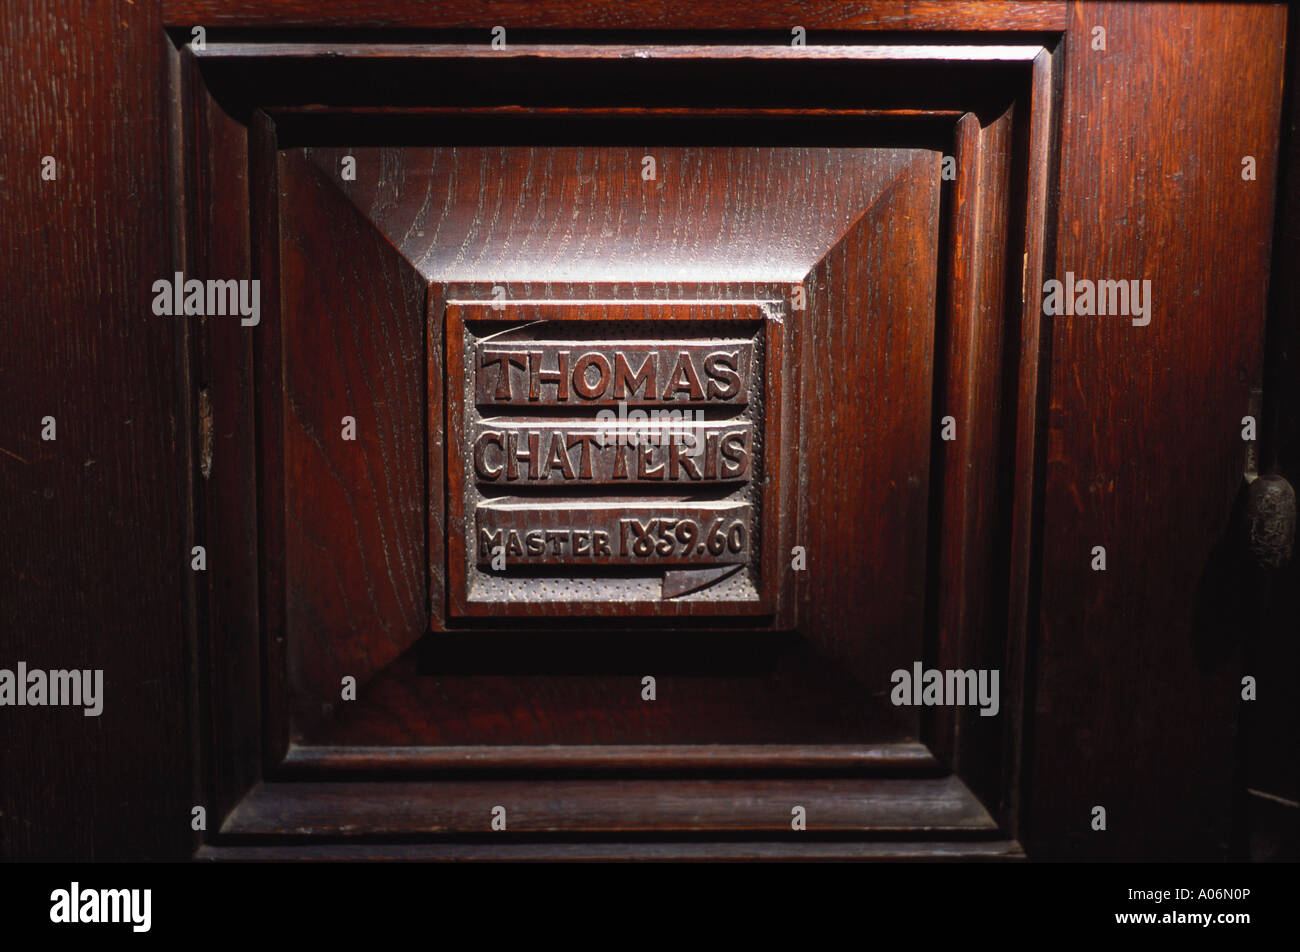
x=988 y=363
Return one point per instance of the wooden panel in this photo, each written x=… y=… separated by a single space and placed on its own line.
x=93 y=554
x=480 y=218
x=607 y=806
x=457 y=219
x=676 y=234
x=867 y=350
x=1135 y=685
x=356 y=559
x=582 y=686
x=1136 y=698
x=635 y=15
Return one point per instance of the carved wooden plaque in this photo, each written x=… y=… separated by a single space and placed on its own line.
x=607 y=455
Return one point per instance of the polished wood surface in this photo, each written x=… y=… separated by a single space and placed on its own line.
x=93 y=558
x=730 y=698
x=817 y=166
x=1137 y=684
x=636 y=15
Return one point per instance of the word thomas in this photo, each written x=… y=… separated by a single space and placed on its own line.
x=596 y=372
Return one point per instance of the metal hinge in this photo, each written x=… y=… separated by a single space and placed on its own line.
x=205 y=433
x=1270 y=506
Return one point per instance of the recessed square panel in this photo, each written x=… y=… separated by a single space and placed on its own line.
x=610 y=457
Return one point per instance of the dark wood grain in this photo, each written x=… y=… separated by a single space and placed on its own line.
x=638 y=15
x=715 y=225
x=518 y=168
x=92 y=553
x=669 y=235
x=972 y=475
x=1033 y=359
x=495 y=215
x=867 y=351
x=355 y=565
x=1136 y=692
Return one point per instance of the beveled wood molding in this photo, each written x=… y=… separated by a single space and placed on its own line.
x=284 y=112
x=895 y=759
x=660 y=851
x=920 y=807
x=919 y=15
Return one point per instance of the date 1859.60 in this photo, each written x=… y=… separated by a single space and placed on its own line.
x=666 y=533
x=684 y=537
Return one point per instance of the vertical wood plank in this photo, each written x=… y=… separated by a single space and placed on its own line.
x=1137 y=694
x=92 y=554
